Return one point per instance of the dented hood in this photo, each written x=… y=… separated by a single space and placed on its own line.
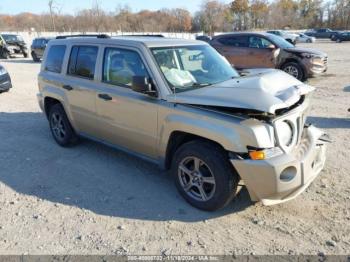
x=265 y=90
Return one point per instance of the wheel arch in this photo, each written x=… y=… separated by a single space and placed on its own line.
x=179 y=138
x=294 y=60
x=49 y=102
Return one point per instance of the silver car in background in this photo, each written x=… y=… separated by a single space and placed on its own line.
x=302 y=38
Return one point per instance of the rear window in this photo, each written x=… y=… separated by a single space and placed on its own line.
x=40 y=42
x=54 y=58
x=82 y=61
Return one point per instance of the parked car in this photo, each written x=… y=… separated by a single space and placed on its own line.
x=15 y=44
x=321 y=33
x=204 y=38
x=290 y=37
x=302 y=38
x=264 y=50
x=38 y=47
x=4 y=51
x=180 y=104
x=5 y=80
x=333 y=38
x=344 y=36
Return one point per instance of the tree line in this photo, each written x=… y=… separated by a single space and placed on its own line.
x=213 y=16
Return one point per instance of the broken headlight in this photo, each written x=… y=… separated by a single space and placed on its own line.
x=285 y=132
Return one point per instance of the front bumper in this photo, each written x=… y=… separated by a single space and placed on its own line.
x=263 y=177
x=315 y=66
x=5 y=82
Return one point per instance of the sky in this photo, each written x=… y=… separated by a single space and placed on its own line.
x=71 y=6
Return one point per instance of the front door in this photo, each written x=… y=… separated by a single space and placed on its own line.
x=262 y=53
x=126 y=118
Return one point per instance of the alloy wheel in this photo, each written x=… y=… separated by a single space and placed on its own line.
x=196 y=178
x=292 y=70
x=58 y=127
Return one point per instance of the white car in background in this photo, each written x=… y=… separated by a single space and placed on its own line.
x=302 y=38
x=290 y=37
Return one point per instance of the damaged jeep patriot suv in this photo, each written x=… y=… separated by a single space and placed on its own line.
x=180 y=104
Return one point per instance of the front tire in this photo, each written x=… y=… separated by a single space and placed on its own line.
x=294 y=69
x=204 y=176
x=61 y=129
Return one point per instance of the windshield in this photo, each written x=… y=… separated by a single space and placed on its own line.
x=280 y=42
x=189 y=67
x=12 y=38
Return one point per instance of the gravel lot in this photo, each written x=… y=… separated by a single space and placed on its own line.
x=92 y=199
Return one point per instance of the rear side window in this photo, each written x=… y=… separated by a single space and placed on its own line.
x=82 y=61
x=236 y=41
x=54 y=58
x=40 y=42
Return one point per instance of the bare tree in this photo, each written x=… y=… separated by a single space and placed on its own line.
x=213 y=16
x=52 y=6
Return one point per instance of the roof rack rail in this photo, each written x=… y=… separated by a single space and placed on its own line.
x=145 y=35
x=83 y=35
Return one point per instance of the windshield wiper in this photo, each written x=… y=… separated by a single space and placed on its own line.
x=199 y=85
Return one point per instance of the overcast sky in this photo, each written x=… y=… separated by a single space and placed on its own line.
x=71 y=6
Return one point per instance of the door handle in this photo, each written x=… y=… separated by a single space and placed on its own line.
x=67 y=87
x=105 y=97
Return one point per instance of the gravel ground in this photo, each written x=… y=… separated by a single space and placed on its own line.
x=92 y=199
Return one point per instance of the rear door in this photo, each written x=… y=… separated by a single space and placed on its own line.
x=79 y=84
x=235 y=49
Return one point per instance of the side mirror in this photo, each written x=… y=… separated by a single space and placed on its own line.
x=142 y=84
x=272 y=47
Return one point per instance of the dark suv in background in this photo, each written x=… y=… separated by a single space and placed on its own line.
x=38 y=47
x=264 y=50
x=342 y=36
x=15 y=44
x=321 y=33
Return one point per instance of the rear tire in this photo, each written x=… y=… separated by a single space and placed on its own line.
x=61 y=129
x=294 y=69
x=204 y=176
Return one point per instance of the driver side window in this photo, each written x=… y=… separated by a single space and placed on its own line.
x=121 y=65
x=259 y=42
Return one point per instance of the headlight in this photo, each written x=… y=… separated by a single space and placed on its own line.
x=3 y=71
x=285 y=133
